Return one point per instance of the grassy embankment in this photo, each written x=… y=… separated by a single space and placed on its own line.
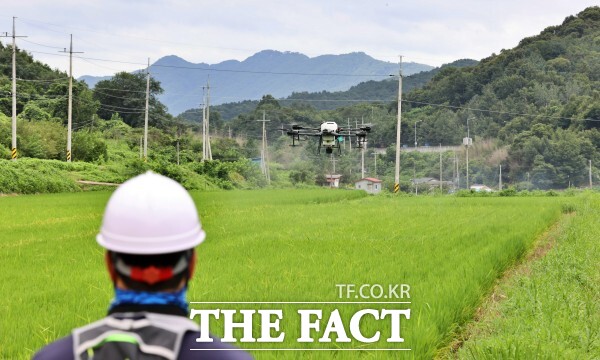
x=549 y=308
x=276 y=246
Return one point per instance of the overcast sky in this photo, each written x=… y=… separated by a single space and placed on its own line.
x=127 y=33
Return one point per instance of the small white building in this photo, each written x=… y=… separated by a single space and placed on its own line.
x=370 y=185
x=332 y=180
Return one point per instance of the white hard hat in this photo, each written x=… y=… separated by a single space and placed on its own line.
x=150 y=214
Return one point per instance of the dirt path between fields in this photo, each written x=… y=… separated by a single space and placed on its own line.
x=543 y=244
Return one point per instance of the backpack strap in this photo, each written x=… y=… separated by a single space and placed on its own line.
x=153 y=334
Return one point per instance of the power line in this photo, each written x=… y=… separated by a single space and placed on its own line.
x=124 y=90
x=440 y=105
x=47 y=46
x=32 y=22
x=121 y=107
x=47 y=81
x=47 y=97
x=102 y=66
x=114 y=96
x=497 y=112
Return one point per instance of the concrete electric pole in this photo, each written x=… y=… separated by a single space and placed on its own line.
x=398 y=130
x=70 y=105
x=13 y=148
x=146 y=111
x=264 y=165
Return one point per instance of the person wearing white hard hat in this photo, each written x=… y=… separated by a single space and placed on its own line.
x=149 y=230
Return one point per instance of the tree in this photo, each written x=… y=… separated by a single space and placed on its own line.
x=268 y=102
x=88 y=146
x=84 y=106
x=33 y=112
x=302 y=173
x=542 y=173
x=41 y=139
x=125 y=94
x=226 y=150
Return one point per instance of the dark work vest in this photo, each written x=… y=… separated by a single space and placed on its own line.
x=139 y=335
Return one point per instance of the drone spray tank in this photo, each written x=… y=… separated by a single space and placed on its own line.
x=329 y=131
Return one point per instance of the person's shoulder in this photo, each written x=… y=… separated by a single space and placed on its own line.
x=60 y=349
x=190 y=349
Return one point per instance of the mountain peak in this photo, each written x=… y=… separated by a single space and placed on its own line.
x=275 y=54
x=171 y=60
x=266 y=72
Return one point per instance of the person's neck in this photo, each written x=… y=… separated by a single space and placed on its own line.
x=158 y=309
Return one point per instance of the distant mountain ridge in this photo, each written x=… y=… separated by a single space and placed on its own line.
x=383 y=91
x=266 y=72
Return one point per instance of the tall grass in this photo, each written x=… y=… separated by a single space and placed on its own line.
x=274 y=246
x=551 y=311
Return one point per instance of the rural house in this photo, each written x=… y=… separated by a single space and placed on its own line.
x=332 y=180
x=370 y=185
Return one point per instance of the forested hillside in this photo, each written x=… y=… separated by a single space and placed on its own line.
x=541 y=99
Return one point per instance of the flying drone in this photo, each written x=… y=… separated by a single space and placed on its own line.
x=330 y=135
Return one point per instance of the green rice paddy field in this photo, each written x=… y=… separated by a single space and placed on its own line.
x=295 y=246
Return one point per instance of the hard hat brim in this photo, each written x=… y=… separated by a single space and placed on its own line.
x=157 y=245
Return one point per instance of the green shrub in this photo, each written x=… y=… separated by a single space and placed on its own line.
x=511 y=191
x=31 y=176
x=88 y=146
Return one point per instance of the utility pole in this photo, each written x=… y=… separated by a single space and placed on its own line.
x=468 y=139
x=70 y=106
x=375 y=158
x=349 y=138
x=454 y=171
x=362 y=159
x=146 y=111
x=590 y=174
x=500 y=178
x=178 y=136
x=528 y=183
x=206 y=150
x=467 y=143
x=457 y=171
x=333 y=161
x=441 y=188
x=264 y=166
x=415 y=178
x=398 y=130
x=14 y=94
x=362 y=154
x=203 y=124
x=13 y=149
x=416 y=133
